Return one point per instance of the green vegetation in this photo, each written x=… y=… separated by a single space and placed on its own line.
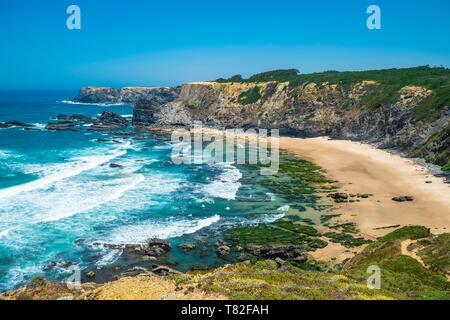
x=346 y=240
x=389 y=81
x=250 y=96
x=401 y=275
x=276 y=234
x=411 y=232
x=441 y=156
x=435 y=254
x=446 y=167
x=298 y=228
x=299 y=181
x=346 y=227
x=325 y=219
x=266 y=280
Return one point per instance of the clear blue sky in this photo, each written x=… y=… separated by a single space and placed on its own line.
x=139 y=42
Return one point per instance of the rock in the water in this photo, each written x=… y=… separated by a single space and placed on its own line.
x=61 y=126
x=116 y=166
x=75 y=117
x=158 y=247
x=187 y=247
x=289 y=253
x=223 y=250
x=403 y=198
x=15 y=123
x=90 y=274
x=109 y=121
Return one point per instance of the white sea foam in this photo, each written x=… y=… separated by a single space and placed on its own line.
x=109 y=257
x=6 y=232
x=73 y=207
x=162 y=229
x=227 y=184
x=93 y=104
x=268 y=218
x=73 y=168
x=5 y=154
x=39 y=126
x=284 y=208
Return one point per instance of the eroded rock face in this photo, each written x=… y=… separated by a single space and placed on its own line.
x=109 y=121
x=125 y=95
x=61 y=126
x=308 y=110
x=287 y=253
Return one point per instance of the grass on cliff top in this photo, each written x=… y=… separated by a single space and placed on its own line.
x=401 y=275
x=266 y=280
x=390 y=81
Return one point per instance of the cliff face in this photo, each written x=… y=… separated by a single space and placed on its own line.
x=125 y=95
x=309 y=109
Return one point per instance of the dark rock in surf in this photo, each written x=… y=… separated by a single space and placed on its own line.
x=158 y=247
x=116 y=166
x=187 y=247
x=223 y=250
x=61 y=126
x=109 y=121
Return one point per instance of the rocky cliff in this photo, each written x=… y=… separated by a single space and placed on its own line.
x=339 y=110
x=125 y=95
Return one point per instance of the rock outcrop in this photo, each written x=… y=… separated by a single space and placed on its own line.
x=109 y=121
x=125 y=95
x=15 y=123
x=309 y=109
x=61 y=126
x=75 y=117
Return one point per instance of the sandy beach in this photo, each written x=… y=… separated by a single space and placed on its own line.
x=361 y=168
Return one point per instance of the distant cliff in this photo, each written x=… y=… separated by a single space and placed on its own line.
x=403 y=109
x=125 y=95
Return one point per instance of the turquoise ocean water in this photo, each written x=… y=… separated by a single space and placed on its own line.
x=59 y=198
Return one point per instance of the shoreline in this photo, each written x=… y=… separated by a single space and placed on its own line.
x=362 y=168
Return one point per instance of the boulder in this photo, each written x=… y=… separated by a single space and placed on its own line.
x=223 y=250
x=116 y=166
x=187 y=247
x=90 y=274
x=288 y=253
x=403 y=198
x=158 y=247
x=339 y=196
